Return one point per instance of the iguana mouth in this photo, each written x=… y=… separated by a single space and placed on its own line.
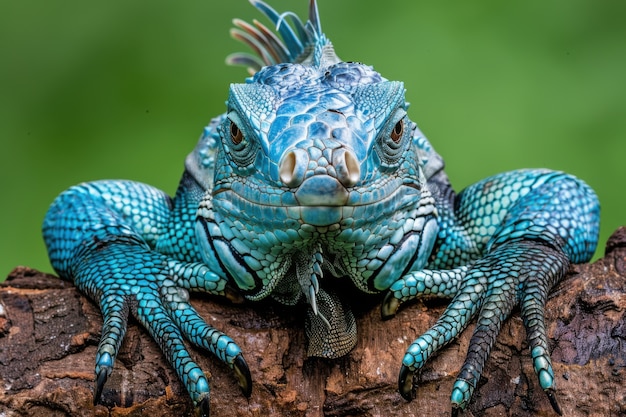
x=375 y=193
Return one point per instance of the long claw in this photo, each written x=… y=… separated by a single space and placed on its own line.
x=101 y=379
x=405 y=383
x=204 y=407
x=553 y=402
x=389 y=307
x=242 y=372
x=233 y=295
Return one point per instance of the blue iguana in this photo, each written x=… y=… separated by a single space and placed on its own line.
x=316 y=175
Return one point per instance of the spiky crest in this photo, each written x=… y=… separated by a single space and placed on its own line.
x=301 y=43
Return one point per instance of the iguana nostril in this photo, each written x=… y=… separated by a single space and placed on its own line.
x=293 y=167
x=295 y=163
x=347 y=167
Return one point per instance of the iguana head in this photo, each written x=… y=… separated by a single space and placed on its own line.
x=318 y=180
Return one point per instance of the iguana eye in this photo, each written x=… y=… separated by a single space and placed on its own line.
x=393 y=141
x=242 y=149
x=235 y=134
x=398 y=130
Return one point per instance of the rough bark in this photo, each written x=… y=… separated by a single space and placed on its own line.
x=49 y=333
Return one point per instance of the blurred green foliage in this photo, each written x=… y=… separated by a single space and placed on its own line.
x=120 y=89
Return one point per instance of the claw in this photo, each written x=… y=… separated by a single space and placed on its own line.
x=405 y=383
x=314 y=282
x=317 y=269
x=389 y=307
x=242 y=372
x=233 y=295
x=204 y=407
x=553 y=402
x=312 y=299
x=101 y=379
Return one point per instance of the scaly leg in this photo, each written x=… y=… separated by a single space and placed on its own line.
x=100 y=235
x=529 y=225
x=490 y=291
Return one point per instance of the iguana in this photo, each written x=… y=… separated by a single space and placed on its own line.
x=313 y=177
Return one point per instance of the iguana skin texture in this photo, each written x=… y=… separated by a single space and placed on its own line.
x=313 y=189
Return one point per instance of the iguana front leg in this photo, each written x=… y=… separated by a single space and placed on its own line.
x=530 y=225
x=102 y=235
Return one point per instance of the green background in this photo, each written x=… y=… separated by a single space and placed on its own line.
x=122 y=89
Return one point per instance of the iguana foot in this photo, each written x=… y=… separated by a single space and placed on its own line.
x=517 y=273
x=153 y=288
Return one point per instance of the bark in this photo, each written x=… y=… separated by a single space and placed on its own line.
x=49 y=333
